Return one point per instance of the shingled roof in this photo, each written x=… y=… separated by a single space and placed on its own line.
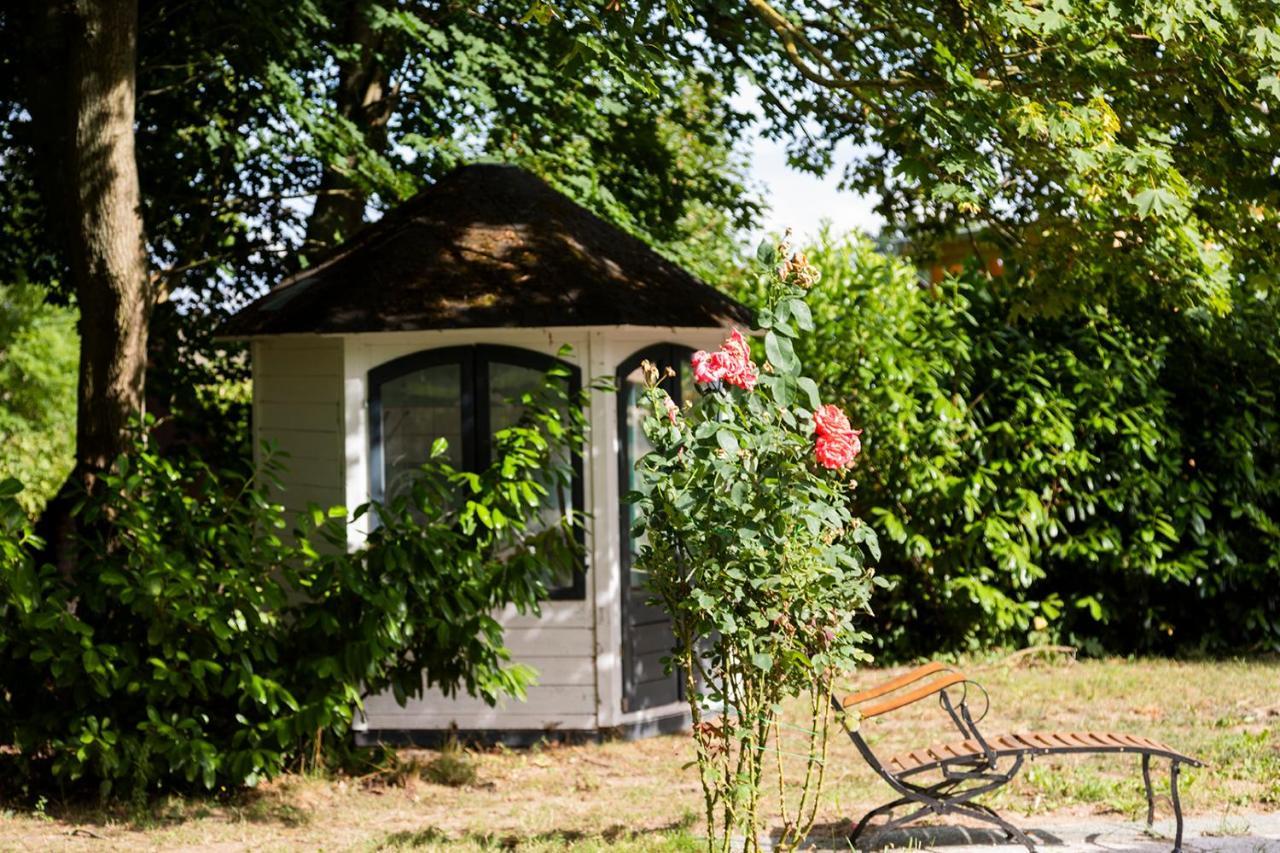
x=487 y=246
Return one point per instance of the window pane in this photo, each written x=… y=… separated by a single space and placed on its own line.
x=418 y=408
x=681 y=388
x=507 y=384
x=637 y=445
x=688 y=388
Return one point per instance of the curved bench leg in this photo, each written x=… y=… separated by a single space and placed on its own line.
x=1151 y=797
x=878 y=810
x=1175 y=767
x=890 y=825
x=990 y=815
x=1009 y=836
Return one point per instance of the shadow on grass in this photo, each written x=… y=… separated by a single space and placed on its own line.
x=166 y=810
x=674 y=833
x=835 y=836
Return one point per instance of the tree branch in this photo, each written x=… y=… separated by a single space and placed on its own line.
x=793 y=40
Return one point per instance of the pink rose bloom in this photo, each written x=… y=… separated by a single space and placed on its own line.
x=835 y=451
x=730 y=364
x=672 y=408
x=743 y=374
x=709 y=367
x=829 y=419
x=837 y=443
x=701 y=370
x=736 y=346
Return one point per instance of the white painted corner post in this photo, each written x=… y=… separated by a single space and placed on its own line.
x=606 y=535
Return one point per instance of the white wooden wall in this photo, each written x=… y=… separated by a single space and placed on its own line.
x=297 y=403
x=560 y=644
x=310 y=394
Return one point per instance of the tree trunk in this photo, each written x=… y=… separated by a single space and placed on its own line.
x=366 y=98
x=107 y=245
x=89 y=124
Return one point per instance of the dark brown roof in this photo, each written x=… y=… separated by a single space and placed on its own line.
x=487 y=246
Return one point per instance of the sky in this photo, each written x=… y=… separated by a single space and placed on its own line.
x=799 y=200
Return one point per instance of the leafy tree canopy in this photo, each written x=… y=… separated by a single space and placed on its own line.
x=248 y=111
x=265 y=133
x=1101 y=145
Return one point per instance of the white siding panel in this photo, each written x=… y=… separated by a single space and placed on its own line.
x=309 y=417
x=487 y=720
x=561 y=672
x=296 y=389
x=297 y=394
x=320 y=472
x=320 y=357
x=554 y=614
x=549 y=642
x=544 y=706
x=565 y=695
x=305 y=444
x=296 y=497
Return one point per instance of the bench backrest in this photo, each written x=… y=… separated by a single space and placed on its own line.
x=929 y=679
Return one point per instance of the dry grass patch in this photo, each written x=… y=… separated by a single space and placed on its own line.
x=641 y=796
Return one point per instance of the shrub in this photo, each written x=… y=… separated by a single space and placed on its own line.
x=1107 y=476
x=199 y=643
x=38 y=360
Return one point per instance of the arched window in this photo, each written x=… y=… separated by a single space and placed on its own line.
x=646 y=629
x=465 y=395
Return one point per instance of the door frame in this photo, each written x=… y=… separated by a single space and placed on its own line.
x=662 y=354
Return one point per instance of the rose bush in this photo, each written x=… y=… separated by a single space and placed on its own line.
x=750 y=546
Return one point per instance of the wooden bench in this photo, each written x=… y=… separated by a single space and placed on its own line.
x=976 y=765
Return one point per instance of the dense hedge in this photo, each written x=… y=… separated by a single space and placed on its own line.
x=1107 y=477
x=39 y=357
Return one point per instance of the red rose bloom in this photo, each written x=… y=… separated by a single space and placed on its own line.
x=837 y=443
x=834 y=451
x=736 y=346
x=709 y=367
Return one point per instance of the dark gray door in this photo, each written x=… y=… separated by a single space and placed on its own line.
x=646 y=629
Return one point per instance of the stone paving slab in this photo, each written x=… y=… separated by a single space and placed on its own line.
x=1255 y=833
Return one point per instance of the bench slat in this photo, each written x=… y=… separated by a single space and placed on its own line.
x=1033 y=742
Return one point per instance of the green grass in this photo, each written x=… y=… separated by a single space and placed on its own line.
x=641 y=796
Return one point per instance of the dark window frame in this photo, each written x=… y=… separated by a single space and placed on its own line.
x=473 y=361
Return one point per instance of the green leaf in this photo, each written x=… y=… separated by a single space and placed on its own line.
x=780 y=353
x=810 y=388
x=799 y=310
x=766 y=253
x=1157 y=201
x=727 y=441
x=763 y=661
x=783 y=390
